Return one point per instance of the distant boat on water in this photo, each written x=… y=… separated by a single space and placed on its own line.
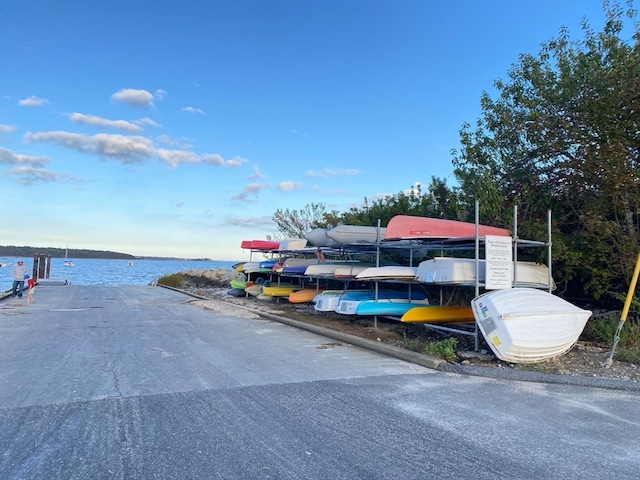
x=67 y=263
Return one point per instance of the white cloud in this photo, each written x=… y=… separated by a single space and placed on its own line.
x=33 y=101
x=146 y=122
x=250 y=222
x=160 y=94
x=92 y=120
x=135 y=98
x=128 y=149
x=11 y=158
x=333 y=172
x=235 y=162
x=182 y=143
x=7 y=128
x=193 y=110
x=30 y=175
x=288 y=186
x=250 y=190
x=257 y=174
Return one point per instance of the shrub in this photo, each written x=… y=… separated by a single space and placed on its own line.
x=444 y=349
x=175 y=281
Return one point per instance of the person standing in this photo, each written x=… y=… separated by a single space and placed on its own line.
x=31 y=286
x=18 y=273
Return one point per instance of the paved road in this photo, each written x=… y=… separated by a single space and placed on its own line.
x=140 y=383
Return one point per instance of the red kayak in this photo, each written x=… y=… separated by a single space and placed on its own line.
x=406 y=227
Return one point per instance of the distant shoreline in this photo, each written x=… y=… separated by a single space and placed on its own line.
x=29 y=252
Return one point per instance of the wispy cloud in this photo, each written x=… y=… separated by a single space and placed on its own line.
x=288 y=186
x=250 y=190
x=333 y=172
x=194 y=110
x=257 y=174
x=128 y=149
x=134 y=97
x=146 y=122
x=250 y=222
x=4 y=129
x=30 y=175
x=33 y=101
x=95 y=121
x=8 y=157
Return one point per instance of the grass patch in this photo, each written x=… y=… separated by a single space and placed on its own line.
x=445 y=349
x=603 y=331
x=174 y=281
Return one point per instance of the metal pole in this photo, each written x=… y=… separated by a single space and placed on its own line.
x=625 y=312
x=550 y=279
x=477 y=290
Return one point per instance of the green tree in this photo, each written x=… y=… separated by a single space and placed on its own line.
x=563 y=133
x=295 y=223
x=437 y=201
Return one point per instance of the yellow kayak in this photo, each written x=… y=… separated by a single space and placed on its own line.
x=282 y=290
x=438 y=314
x=306 y=295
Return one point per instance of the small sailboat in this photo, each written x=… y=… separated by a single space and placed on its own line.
x=67 y=262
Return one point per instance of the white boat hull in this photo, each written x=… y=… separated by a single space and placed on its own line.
x=388 y=272
x=462 y=271
x=356 y=234
x=526 y=325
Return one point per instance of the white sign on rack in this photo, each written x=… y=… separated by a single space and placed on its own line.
x=499 y=262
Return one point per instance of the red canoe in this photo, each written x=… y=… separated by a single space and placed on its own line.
x=259 y=245
x=405 y=227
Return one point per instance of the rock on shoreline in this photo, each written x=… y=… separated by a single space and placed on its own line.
x=218 y=278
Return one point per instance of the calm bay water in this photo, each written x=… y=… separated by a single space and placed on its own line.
x=110 y=272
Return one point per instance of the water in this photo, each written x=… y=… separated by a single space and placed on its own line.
x=92 y=271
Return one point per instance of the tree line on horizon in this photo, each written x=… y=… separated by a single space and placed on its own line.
x=562 y=134
x=29 y=252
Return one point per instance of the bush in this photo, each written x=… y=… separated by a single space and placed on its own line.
x=444 y=349
x=604 y=329
x=174 y=281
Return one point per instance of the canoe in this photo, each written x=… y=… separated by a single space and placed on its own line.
x=526 y=325
x=267 y=264
x=406 y=227
x=259 y=245
x=349 y=301
x=241 y=284
x=462 y=271
x=356 y=234
x=329 y=268
x=236 y=292
x=439 y=314
x=321 y=270
x=254 y=290
x=282 y=290
x=344 y=272
x=297 y=266
x=292 y=244
x=389 y=272
x=391 y=306
x=306 y=295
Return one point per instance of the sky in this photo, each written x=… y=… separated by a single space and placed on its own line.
x=178 y=127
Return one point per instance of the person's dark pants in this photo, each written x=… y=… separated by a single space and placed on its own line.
x=18 y=286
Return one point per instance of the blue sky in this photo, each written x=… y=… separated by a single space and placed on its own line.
x=177 y=128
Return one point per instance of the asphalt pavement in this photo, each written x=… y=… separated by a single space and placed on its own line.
x=143 y=383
